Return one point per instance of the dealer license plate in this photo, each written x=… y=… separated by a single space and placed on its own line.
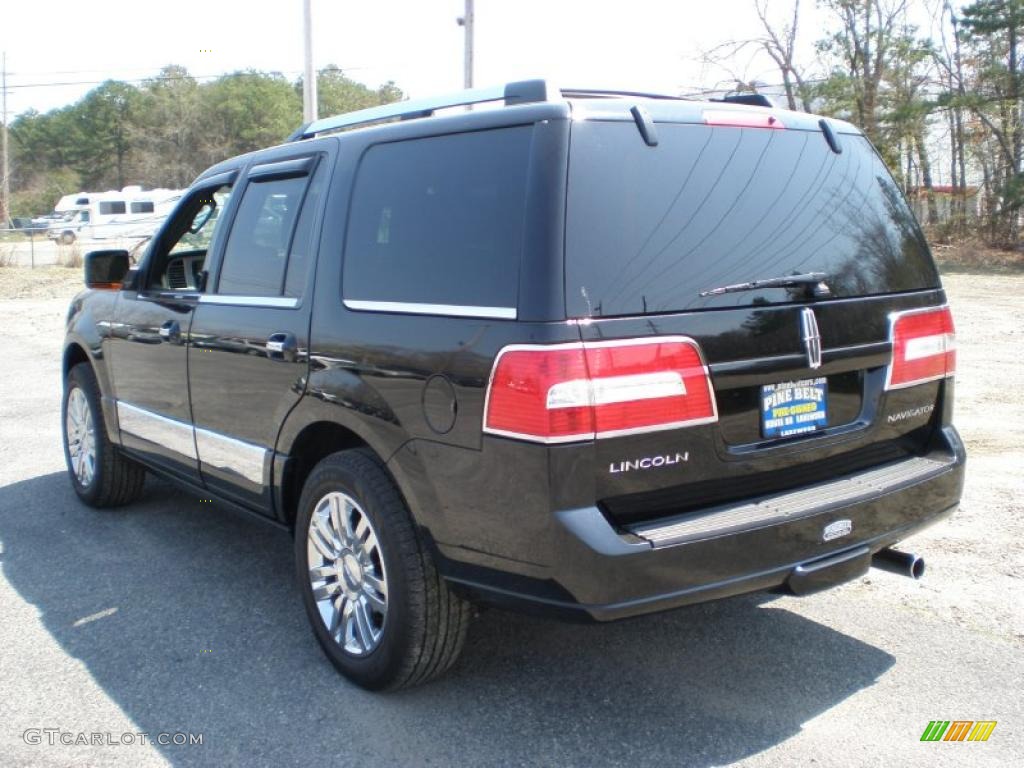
x=794 y=407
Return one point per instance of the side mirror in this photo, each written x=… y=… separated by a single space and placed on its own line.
x=201 y=217
x=106 y=269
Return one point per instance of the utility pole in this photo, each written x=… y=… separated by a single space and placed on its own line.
x=309 y=106
x=466 y=22
x=5 y=168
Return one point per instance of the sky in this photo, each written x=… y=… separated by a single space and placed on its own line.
x=58 y=50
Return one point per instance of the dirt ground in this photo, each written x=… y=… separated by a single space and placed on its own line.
x=49 y=282
x=852 y=675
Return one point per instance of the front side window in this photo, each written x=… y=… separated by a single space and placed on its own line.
x=204 y=221
x=178 y=257
x=439 y=221
x=256 y=253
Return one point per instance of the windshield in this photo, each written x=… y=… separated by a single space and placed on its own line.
x=649 y=228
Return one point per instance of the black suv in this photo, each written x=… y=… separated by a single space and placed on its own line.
x=586 y=353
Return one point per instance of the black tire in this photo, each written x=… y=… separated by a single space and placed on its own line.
x=425 y=625
x=115 y=480
x=67 y=238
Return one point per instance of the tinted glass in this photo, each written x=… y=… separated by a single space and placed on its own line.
x=303 y=247
x=109 y=207
x=257 y=247
x=439 y=220
x=649 y=228
x=143 y=206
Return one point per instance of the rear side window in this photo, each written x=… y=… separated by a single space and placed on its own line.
x=649 y=228
x=110 y=207
x=439 y=221
x=256 y=253
x=142 y=206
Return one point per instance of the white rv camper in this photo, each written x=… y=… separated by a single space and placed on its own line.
x=130 y=213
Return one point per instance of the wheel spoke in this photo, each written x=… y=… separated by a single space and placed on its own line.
x=325 y=549
x=362 y=528
x=346 y=515
x=323 y=527
x=379 y=585
x=321 y=572
x=335 y=515
x=363 y=625
x=374 y=600
x=324 y=591
x=349 y=632
x=368 y=546
x=335 y=625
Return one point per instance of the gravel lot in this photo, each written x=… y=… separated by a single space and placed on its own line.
x=176 y=616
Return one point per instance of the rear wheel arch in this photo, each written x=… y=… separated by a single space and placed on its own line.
x=314 y=442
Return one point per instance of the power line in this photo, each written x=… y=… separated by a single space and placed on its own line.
x=173 y=78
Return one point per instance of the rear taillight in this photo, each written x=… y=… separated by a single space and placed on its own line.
x=923 y=347
x=565 y=392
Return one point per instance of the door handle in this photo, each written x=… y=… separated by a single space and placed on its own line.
x=282 y=346
x=171 y=331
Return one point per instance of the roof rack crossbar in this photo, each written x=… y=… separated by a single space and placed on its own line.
x=522 y=92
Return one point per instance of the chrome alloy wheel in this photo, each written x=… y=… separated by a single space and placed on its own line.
x=80 y=434
x=346 y=572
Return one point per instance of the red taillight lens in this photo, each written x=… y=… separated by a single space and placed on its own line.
x=579 y=391
x=923 y=347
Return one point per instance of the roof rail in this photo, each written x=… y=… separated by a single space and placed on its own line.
x=601 y=94
x=522 y=92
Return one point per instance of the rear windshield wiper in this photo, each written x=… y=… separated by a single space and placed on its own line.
x=812 y=282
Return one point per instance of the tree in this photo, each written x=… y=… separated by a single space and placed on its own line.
x=991 y=34
x=337 y=93
x=169 y=129
x=779 y=43
x=862 y=46
x=105 y=116
x=245 y=111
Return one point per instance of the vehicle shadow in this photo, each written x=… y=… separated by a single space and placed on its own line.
x=209 y=636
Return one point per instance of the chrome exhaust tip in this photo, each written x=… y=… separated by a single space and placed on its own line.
x=903 y=563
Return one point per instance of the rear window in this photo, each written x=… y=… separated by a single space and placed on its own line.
x=649 y=228
x=439 y=221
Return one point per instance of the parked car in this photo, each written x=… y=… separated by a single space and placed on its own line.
x=590 y=354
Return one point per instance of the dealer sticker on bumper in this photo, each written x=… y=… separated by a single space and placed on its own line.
x=793 y=407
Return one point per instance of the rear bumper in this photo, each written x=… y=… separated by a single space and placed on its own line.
x=605 y=574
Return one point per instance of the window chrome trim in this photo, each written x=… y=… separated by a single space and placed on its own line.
x=154 y=428
x=414 y=308
x=283 y=302
x=230 y=454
